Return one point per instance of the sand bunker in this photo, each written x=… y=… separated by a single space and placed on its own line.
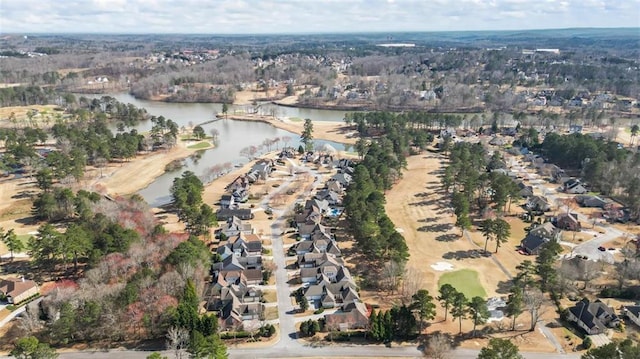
x=442 y=266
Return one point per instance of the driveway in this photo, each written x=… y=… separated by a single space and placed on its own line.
x=588 y=248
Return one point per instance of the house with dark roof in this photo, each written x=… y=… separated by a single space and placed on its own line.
x=593 y=317
x=224 y=214
x=539 y=236
x=632 y=312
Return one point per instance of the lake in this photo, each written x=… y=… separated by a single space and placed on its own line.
x=233 y=136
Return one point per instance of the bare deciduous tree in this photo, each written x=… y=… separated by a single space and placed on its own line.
x=438 y=346
x=533 y=300
x=411 y=281
x=177 y=341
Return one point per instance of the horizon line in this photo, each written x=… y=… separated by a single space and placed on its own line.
x=323 y=32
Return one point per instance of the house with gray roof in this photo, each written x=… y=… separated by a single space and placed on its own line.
x=352 y=315
x=315 y=260
x=591 y=201
x=539 y=236
x=632 y=312
x=593 y=317
x=234 y=226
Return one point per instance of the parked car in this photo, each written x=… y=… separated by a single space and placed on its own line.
x=602 y=249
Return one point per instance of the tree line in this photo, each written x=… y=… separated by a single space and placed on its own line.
x=609 y=169
x=472 y=184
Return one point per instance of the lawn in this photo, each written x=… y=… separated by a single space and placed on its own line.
x=465 y=281
x=199 y=145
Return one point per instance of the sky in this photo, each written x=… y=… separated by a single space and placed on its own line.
x=308 y=16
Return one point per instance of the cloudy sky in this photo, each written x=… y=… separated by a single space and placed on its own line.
x=304 y=16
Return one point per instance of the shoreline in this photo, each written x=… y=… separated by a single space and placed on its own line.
x=130 y=177
x=322 y=130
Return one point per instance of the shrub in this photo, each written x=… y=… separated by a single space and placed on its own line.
x=236 y=335
x=267 y=331
x=618 y=293
x=319 y=311
x=587 y=343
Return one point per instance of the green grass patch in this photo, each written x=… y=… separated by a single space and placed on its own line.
x=295 y=119
x=199 y=145
x=24 y=238
x=465 y=281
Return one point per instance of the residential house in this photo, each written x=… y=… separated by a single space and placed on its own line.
x=240 y=183
x=525 y=191
x=539 y=236
x=632 y=312
x=306 y=230
x=236 y=263
x=329 y=295
x=17 y=290
x=329 y=273
x=320 y=206
x=593 y=318
x=568 y=221
x=538 y=203
x=232 y=312
x=335 y=186
x=591 y=201
x=260 y=171
x=308 y=217
x=234 y=226
x=240 y=195
x=241 y=245
x=225 y=214
x=318 y=260
x=574 y=186
x=331 y=197
x=317 y=245
x=227 y=201
x=344 y=179
x=225 y=279
x=353 y=315
x=497 y=141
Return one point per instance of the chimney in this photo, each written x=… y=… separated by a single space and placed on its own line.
x=23 y=279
